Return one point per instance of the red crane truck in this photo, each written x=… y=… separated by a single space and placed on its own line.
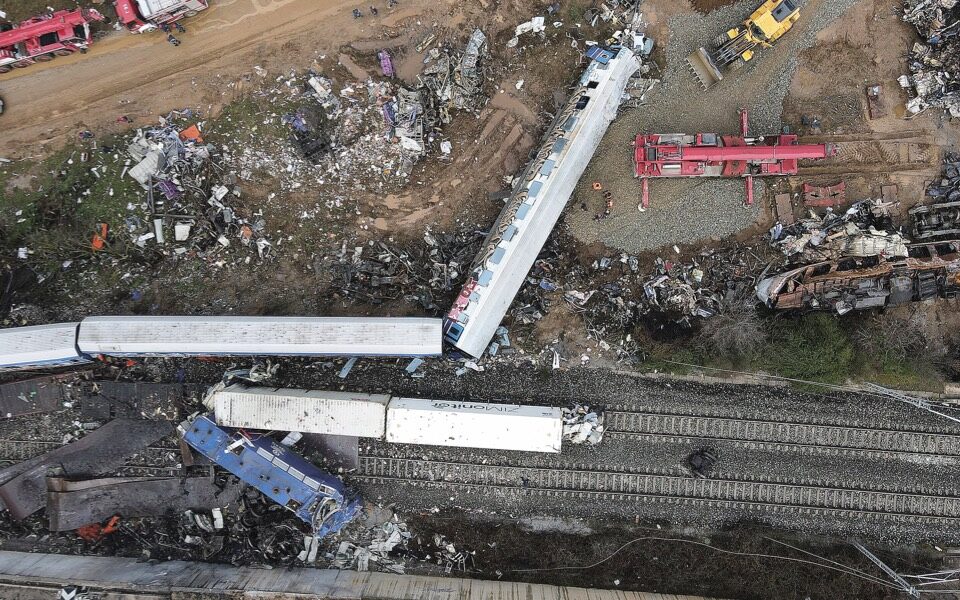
x=714 y=155
x=139 y=16
x=42 y=38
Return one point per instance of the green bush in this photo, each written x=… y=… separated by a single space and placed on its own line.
x=812 y=347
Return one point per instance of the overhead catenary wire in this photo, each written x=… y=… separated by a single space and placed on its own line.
x=844 y=569
x=878 y=391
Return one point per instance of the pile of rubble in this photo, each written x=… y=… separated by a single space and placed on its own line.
x=188 y=190
x=367 y=135
x=422 y=274
x=865 y=229
x=615 y=294
x=934 y=64
x=581 y=425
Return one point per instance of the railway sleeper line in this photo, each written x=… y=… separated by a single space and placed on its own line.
x=796 y=448
x=752 y=507
x=804 y=434
x=14 y=451
x=616 y=485
x=736 y=415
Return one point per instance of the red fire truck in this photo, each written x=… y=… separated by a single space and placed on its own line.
x=42 y=38
x=145 y=15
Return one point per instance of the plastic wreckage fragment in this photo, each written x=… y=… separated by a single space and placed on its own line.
x=315 y=497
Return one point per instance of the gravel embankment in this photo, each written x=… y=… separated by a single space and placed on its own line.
x=688 y=211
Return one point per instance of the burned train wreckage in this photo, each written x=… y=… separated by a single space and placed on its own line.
x=858 y=259
x=858 y=283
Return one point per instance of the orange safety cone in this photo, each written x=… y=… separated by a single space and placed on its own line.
x=597 y=186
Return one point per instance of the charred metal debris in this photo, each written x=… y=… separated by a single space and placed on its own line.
x=126 y=486
x=934 y=64
x=422 y=273
x=861 y=259
x=865 y=229
x=615 y=293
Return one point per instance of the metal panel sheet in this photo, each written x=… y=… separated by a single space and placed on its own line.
x=282 y=336
x=41 y=394
x=73 y=504
x=307 y=411
x=474 y=425
x=24 y=491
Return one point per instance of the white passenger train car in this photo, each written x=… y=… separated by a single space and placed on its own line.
x=39 y=346
x=536 y=203
x=278 y=336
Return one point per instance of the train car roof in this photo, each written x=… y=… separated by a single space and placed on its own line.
x=307 y=336
x=38 y=345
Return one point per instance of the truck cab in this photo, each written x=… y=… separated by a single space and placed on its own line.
x=139 y=16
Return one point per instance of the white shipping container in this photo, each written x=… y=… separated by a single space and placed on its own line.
x=474 y=425
x=307 y=411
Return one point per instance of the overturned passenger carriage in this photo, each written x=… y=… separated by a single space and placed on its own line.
x=859 y=283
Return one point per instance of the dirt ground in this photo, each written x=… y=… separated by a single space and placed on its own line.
x=864 y=48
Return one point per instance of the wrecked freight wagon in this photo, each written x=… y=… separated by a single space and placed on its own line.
x=941 y=219
x=860 y=283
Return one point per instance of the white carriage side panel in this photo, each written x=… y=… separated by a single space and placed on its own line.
x=307 y=411
x=474 y=425
x=39 y=345
x=308 y=336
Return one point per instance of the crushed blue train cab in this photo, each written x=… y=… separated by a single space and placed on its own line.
x=316 y=497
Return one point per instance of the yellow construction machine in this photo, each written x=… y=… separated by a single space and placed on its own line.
x=736 y=47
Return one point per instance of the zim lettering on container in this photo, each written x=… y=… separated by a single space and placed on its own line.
x=479 y=406
x=316 y=497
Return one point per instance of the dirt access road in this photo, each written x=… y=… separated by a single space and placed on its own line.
x=142 y=75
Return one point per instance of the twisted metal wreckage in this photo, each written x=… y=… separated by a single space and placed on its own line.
x=857 y=261
x=188 y=187
x=934 y=65
x=412 y=115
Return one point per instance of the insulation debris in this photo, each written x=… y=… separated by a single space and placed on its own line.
x=581 y=425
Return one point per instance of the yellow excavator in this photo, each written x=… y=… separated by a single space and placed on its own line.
x=736 y=47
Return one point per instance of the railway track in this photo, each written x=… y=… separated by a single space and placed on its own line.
x=611 y=486
x=14 y=451
x=812 y=437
